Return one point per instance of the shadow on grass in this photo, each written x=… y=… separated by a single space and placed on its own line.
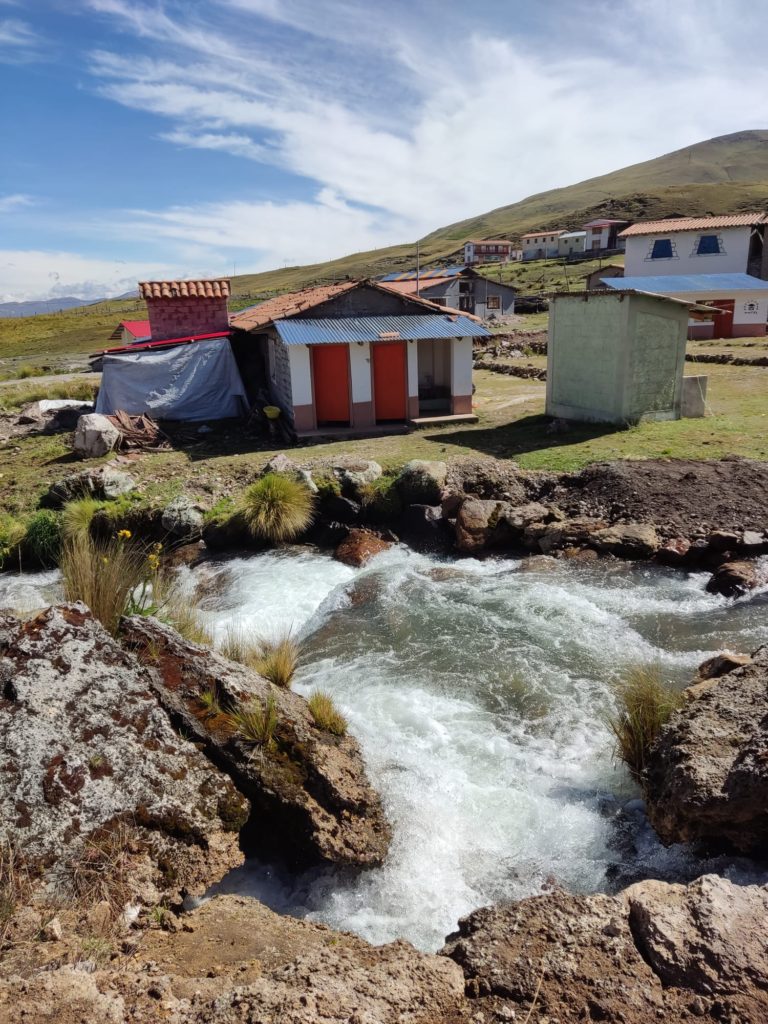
x=528 y=434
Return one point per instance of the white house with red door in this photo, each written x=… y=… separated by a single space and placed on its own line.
x=360 y=356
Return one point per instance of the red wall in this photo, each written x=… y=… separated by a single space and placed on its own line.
x=175 y=318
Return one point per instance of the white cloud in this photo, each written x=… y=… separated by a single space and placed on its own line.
x=15 y=201
x=18 y=41
x=37 y=274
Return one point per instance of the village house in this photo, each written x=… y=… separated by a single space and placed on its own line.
x=488 y=250
x=603 y=235
x=595 y=279
x=731 y=244
x=741 y=301
x=128 y=332
x=458 y=287
x=571 y=243
x=541 y=245
x=359 y=355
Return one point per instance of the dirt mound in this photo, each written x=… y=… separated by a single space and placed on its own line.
x=682 y=498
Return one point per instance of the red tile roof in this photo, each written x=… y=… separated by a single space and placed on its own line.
x=729 y=220
x=283 y=306
x=214 y=289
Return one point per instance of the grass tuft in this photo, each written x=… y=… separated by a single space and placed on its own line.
x=103 y=575
x=42 y=538
x=77 y=515
x=277 y=508
x=256 y=722
x=645 y=706
x=325 y=713
x=12 y=532
x=274 y=658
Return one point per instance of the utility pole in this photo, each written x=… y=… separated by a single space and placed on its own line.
x=418 y=268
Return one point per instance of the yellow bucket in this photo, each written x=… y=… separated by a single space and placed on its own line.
x=271 y=412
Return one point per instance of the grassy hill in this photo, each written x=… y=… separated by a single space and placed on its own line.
x=725 y=174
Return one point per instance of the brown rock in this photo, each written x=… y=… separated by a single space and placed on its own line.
x=569 y=533
x=482 y=524
x=733 y=579
x=630 y=540
x=673 y=552
x=707 y=776
x=310 y=796
x=721 y=664
x=359 y=547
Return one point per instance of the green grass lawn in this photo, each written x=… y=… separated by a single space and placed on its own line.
x=511 y=425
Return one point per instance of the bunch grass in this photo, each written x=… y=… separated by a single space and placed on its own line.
x=325 y=713
x=646 y=703
x=277 y=508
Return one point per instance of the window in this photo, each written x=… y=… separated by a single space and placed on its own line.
x=662 y=249
x=750 y=307
x=708 y=245
x=493 y=302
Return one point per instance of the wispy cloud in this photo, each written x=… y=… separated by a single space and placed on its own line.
x=15 y=201
x=19 y=42
x=40 y=274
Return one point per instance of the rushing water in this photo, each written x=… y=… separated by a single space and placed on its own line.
x=478 y=692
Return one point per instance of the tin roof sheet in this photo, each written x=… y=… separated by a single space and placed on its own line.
x=423 y=275
x=678 y=284
x=729 y=220
x=348 y=329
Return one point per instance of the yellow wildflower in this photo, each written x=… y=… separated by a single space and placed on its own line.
x=124 y=534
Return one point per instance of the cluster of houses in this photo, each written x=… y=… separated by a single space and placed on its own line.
x=384 y=355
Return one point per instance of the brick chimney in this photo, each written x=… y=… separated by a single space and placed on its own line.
x=179 y=308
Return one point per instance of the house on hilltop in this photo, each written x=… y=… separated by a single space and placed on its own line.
x=460 y=288
x=730 y=244
x=360 y=355
x=488 y=250
x=603 y=235
x=541 y=245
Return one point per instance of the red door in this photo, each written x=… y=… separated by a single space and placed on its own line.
x=723 y=321
x=330 y=384
x=389 y=380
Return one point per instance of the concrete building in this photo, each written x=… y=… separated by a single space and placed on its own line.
x=616 y=357
x=458 y=287
x=571 y=243
x=488 y=250
x=540 y=245
x=602 y=235
x=731 y=244
x=595 y=278
x=358 y=355
x=742 y=300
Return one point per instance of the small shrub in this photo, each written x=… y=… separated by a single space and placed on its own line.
x=103 y=575
x=101 y=870
x=328 y=485
x=77 y=515
x=256 y=722
x=29 y=371
x=326 y=714
x=645 y=705
x=381 y=500
x=277 y=508
x=42 y=538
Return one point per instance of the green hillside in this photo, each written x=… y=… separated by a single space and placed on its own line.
x=725 y=174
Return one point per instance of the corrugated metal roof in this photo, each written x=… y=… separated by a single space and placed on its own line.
x=573 y=234
x=349 y=329
x=729 y=220
x=676 y=284
x=424 y=275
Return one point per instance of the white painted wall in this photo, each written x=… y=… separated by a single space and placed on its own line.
x=360 y=369
x=743 y=313
x=733 y=259
x=413 y=368
x=301 y=374
x=546 y=241
x=461 y=366
x=571 y=242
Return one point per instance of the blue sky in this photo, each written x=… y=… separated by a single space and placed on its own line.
x=150 y=138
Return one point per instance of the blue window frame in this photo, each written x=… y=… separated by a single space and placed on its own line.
x=662 y=249
x=709 y=245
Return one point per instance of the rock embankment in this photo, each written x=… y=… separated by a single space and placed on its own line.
x=310 y=796
x=88 y=760
x=655 y=951
x=707 y=778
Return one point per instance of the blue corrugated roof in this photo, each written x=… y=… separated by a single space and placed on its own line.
x=424 y=275
x=674 y=284
x=299 y=331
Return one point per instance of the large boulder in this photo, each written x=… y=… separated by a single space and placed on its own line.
x=182 y=519
x=310 y=795
x=707 y=776
x=359 y=547
x=654 y=952
x=421 y=483
x=568 y=533
x=734 y=579
x=86 y=751
x=486 y=478
x=485 y=523
x=105 y=484
x=627 y=540
x=95 y=436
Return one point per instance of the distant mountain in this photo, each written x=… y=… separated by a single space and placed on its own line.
x=35 y=306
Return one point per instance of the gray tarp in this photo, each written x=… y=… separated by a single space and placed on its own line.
x=199 y=381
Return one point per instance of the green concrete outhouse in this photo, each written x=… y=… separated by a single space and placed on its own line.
x=616 y=357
